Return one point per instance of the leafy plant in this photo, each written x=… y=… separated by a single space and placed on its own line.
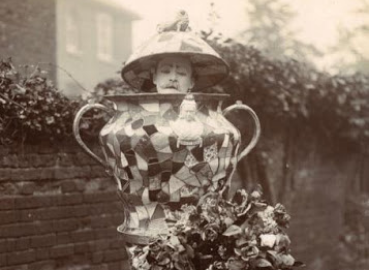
x=110 y=87
x=31 y=108
x=217 y=234
x=294 y=92
x=269 y=29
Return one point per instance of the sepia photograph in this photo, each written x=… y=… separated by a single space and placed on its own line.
x=184 y=135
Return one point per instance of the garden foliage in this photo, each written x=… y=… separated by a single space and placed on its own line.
x=244 y=233
x=32 y=109
x=295 y=92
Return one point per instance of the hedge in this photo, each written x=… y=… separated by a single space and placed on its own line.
x=33 y=109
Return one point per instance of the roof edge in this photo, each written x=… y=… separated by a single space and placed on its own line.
x=133 y=15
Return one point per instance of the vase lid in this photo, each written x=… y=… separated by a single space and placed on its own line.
x=167 y=96
x=175 y=38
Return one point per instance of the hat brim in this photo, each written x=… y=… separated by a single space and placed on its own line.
x=209 y=68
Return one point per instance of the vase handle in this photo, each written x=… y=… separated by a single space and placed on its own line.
x=256 y=135
x=76 y=131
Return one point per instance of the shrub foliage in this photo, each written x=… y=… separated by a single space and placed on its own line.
x=32 y=108
x=337 y=105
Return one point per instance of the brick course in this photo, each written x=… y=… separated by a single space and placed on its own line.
x=59 y=210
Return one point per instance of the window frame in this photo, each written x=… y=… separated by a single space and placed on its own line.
x=104 y=36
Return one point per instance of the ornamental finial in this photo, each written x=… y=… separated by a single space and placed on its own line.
x=179 y=23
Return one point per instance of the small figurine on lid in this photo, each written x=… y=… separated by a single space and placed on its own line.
x=171 y=144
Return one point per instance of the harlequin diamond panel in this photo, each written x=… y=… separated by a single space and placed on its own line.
x=144 y=149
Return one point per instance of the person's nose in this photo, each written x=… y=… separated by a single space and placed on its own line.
x=173 y=75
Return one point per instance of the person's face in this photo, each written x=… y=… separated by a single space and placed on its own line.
x=173 y=74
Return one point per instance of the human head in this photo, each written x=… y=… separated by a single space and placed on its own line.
x=207 y=65
x=173 y=74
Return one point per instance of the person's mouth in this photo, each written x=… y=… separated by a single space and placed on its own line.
x=171 y=86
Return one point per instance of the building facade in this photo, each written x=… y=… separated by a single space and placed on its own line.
x=80 y=43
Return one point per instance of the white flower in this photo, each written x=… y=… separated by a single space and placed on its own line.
x=268 y=240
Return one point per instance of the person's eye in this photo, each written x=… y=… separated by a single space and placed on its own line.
x=165 y=71
x=182 y=72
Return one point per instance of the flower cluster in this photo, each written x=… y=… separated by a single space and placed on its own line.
x=244 y=233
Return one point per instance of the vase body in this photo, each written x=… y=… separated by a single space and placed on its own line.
x=164 y=151
x=158 y=167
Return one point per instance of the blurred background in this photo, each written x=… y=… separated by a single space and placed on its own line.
x=76 y=37
x=302 y=65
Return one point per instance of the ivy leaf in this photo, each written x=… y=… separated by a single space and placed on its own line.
x=268 y=240
x=358 y=121
x=17 y=89
x=263 y=263
x=341 y=99
x=50 y=120
x=228 y=221
x=232 y=230
x=287 y=259
x=298 y=264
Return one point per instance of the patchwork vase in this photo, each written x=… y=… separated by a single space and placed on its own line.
x=166 y=150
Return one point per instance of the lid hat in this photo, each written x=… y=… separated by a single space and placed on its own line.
x=175 y=38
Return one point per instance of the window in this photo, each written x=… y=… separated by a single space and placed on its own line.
x=73 y=35
x=104 y=37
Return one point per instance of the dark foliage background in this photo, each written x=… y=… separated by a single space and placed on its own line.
x=297 y=93
x=31 y=108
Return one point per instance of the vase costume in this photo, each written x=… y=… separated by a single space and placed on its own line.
x=166 y=150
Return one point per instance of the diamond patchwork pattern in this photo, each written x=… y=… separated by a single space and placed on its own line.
x=142 y=149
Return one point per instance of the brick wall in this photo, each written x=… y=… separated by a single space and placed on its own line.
x=57 y=211
x=28 y=32
x=309 y=174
